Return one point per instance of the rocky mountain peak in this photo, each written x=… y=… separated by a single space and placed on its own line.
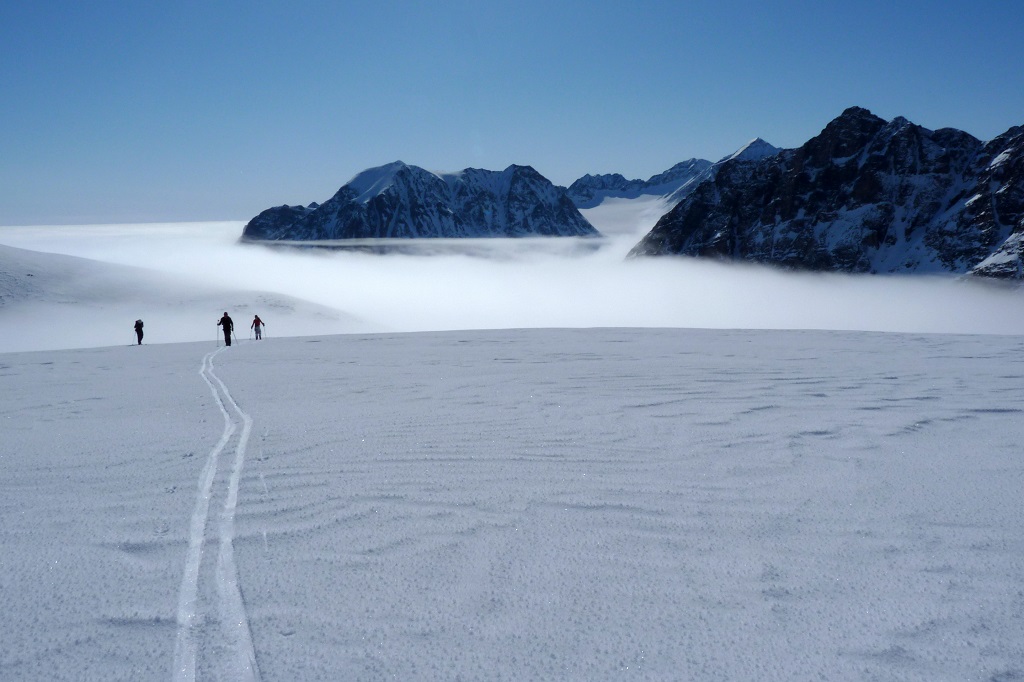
x=843 y=136
x=755 y=150
x=398 y=200
x=865 y=195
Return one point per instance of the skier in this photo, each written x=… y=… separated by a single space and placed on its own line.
x=138 y=330
x=257 y=325
x=228 y=326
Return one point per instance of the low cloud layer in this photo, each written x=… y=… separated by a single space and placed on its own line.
x=508 y=284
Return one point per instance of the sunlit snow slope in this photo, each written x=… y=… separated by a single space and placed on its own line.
x=546 y=504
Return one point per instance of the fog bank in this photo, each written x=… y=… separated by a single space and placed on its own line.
x=520 y=284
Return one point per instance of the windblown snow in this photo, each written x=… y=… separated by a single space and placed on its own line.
x=535 y=504
x=610 y=501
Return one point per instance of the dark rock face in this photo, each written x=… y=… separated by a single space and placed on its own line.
x=865 y=195
x=273 y=220
x=402 y=201
x=996 y=210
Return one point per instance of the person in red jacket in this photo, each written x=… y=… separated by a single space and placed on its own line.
x=257 y=325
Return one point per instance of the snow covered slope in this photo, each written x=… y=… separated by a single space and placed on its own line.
x=866 y=195
x=50 y=301
x=550 y=504
x=402 y=201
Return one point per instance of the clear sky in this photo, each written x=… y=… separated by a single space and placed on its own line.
x=126 y=111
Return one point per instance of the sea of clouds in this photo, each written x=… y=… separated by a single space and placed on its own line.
x=486 y=284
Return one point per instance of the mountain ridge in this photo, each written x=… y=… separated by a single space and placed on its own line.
x=864 y=195
x=674 y=184
x=401 y=201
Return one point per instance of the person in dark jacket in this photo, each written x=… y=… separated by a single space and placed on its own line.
x=228 y=326
x=138 y=330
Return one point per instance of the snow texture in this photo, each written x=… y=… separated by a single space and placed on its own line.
x=536 y=504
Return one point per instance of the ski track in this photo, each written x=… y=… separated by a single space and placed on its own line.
x=240 y=660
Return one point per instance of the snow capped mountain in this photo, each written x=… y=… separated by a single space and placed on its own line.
x=865 y=195
x=674 y=184
x=591 y=190
x=402 y=201
x=755 y=150
x=277 y=220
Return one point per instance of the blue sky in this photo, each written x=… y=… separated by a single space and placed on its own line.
x=139 y=111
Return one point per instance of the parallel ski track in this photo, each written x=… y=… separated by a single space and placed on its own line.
x=240 y=661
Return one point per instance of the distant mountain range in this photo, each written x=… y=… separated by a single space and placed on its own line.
x=865 y=195
x=403 y=201
x=674 y=184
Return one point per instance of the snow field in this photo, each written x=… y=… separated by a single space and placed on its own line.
x=536 y=504
x=652 y=504
x=99 y=453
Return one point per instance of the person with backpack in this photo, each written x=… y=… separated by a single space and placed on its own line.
x=138 y=330
x=228 y=326
x=257 y=325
